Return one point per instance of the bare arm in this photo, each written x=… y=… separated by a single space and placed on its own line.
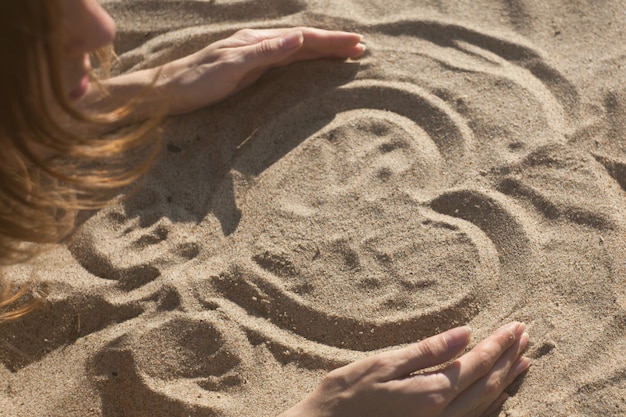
x=219 y=70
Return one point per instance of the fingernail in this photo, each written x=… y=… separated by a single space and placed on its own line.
x=458 y=337
x=292 y=40
x=520 y=330
x=362 y=47
x=523 y=341
x=522 y=365
x=352 y=34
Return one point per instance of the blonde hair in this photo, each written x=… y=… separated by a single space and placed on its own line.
x=39 y=195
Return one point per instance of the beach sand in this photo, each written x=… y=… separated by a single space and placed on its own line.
x=469 y=169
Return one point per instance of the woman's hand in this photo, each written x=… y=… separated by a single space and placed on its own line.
x=216 y=72
x=399 y=384
x=230 y=65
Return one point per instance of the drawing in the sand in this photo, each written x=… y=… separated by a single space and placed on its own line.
x=462 y=171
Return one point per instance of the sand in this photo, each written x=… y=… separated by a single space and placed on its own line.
x=469 y=169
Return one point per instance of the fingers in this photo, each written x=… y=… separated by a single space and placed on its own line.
x=471 y=386
x=333 y=43
x=320 y=43
x=481 y=359
x=270 y=51
x=285 y=46
x=486 y=393
x=429 y=352
x=320 y=39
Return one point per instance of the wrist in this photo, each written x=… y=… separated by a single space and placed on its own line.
x=168 y=87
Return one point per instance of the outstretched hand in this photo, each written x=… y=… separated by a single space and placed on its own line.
x=399 y=383
x=229 y=65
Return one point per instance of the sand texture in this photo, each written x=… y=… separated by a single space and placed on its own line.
x=469 y=169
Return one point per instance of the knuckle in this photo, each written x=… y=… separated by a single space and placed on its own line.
x=435 y=392
x=437 y=384
x=434 y=401
x=381 y=362
x=388 y=391
x=377 y=368
x=265 y=48
x=440 y=383
x=432 y=347
x=229 y=57
x=335 y=380
x=484 y=361
x=493 y=386
x=245 y=32
x=495 y=383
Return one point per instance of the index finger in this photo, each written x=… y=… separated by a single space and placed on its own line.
x=429 y=352
x=317 y=43
x=321 y=36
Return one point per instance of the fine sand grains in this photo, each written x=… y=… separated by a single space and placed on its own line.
x=469 y=169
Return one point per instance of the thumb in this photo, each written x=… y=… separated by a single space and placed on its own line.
x=274 y=50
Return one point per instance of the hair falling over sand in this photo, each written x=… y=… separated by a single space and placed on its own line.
x=47 y=172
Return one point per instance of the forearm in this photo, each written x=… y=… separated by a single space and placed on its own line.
x=216 y=72
x=147 y=93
